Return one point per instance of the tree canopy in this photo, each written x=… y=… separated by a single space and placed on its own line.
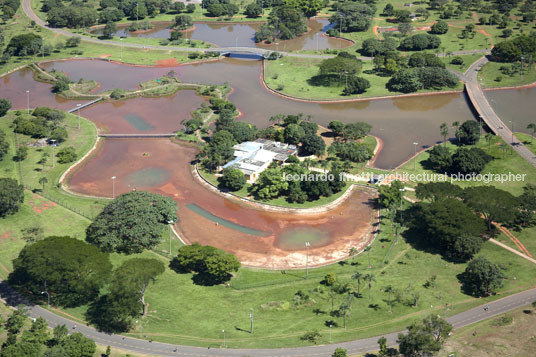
x=132 y=222
x=11 y=196
x=424 y=338
x=70 y=270
x=482 y=277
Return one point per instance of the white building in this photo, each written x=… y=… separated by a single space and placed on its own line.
x=253 y=157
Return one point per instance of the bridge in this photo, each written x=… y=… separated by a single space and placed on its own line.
x=136 y=136
x=487 y=114
x=85 y=105
x=226 y=51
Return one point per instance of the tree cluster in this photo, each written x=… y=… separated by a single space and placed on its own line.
x=463 y=160
x=36 y=341
x=414 y=79
x=353 y=16
x=43 y=123
x=24 y=45
x=9 y=8
x=11 y=196
x=420 y=42
x=512 y=50
x=284 y=22
x=216 y=8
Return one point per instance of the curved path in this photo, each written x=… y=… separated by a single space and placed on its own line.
x=163 y=349
x=488 y=115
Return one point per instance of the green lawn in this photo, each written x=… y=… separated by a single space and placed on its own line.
x=290 y=75
x=505 y=161
x=528 y=140
x=468 y=60
x=491 y=72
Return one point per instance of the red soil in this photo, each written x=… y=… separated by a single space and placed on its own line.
x=167 y=62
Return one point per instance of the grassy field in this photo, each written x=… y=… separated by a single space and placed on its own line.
x=505 y=161
x=528 y=140
x=510 y=334
x=290 y=76
x=491 y=72
x=468 y=60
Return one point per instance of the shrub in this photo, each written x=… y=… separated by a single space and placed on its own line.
x=66 y=155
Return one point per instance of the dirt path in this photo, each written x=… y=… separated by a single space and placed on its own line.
x=516 y=241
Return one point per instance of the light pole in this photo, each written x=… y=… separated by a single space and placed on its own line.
x=346 y=75
x=121 y=40
x=330 y=326
x=48 y=297
x=170 y=224
x=251 y=321
x=522 y=65
x=141 y=328
x=113 y=186
x=78 y=106
x=28 y=101
x=511 y=121
x=317 y=40
x=479 y=127
x=53 y=141
x=224 y=344
x=137 y=12
x=415 y=156
x=307 y=244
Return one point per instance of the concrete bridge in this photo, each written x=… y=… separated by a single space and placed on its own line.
x=226 y=51
x=85 y=105
x=487 y=114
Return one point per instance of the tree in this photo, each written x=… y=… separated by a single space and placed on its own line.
x=308 y=7
x=346 y=307
x=388 y=10
x=38 y=332
x=32 y=233
x=390 y=196
x=109 y=30
x=75 y=345
x=178 y=6
x=15 y=322
x=66 y=155
x=369 y=278
x=337 y=67
x=527 y=203
x=253 y=10
x=440 y=158
x=424 y=338
x=183 y=22
x=405 y=28
x=440 y=28
x=336 y=126
x=60 y=85
x=339 y=352
x=531 y=126
x=132 y=222
x=25 y=44
x=21 y=154
x=73 y=41
x=11 y=196
x=356 y=131
x=482 y=277
x=233 y=179
x=405 y=81
x=4 y=145
x=133 y=277
x=353 y=17
x=447 y=226
x=493 y=204
x=212 y=265
x=436 y=191
x=190 y=8
x=43 y=180
x=293 y=134
x=5 y=105
x=358 y=276
x=70 y=270
x=444 y=129
x=469 y=161
x=356 y=85
x=389 y=290
x=313 y=145
x=285 y=22
x=468 y=133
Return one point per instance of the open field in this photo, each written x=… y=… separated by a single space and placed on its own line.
x=491 y=72
x=505 y=161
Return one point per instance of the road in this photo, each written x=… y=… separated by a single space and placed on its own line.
x=486 y=112
x=163 y=349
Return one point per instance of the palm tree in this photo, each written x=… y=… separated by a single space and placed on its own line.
x=352 y=252
x=324 y=165
x=369 y=278
x=277 y=119
x=456 y=124
x=358 y=276
x=389 y=290
x=346 y=166
x=307 y=163
x=503 y=147
x=532 y=126
x=346 y=307
x=444 y=129
x=43 y=181
x=489 y=136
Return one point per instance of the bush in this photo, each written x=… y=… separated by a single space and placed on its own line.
x=440 y=27
x=457 y=60
x=5 y=105
x=73 y=41
x=61 y=85
x=117 y=94
x=66 y=155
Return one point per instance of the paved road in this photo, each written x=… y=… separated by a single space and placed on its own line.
x=163 y=349
x=486 y=112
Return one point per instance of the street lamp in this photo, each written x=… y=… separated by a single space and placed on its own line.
x=330 y=326
x=113 y=186
x=513 y=125
x=141 y=328
x=415 y=156
x=52 y=141
x=479 y=127
x=78 y=106
x=48 y=297
x=121 y=41
x=224 y=344
x=170 y=224
x=28 y=101
x=307 y=244
x=251 y=321
x=346 y=75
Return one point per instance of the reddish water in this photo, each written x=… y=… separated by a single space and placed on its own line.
x=398 y=122
x=347 y=225
x=15 y=85
x=146 y=115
